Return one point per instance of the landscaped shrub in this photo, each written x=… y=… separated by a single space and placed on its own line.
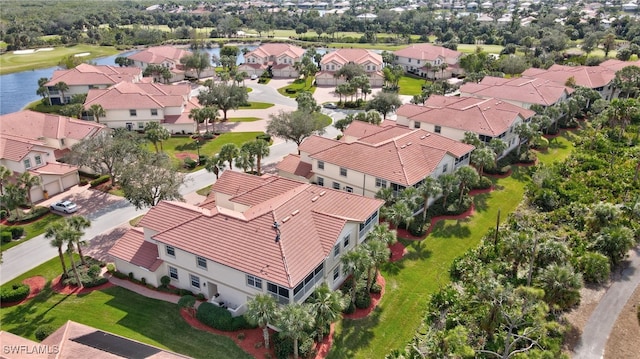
x=183 y=292
x=200 y=296
x=120 y=275
x=350 y=308
x=100 y=180
x=541 y=143
x=143 y=280
x=131 y=275
x=417 y=227
x=6 y=236
x=220 y=318
x=208 y=136
x=83 y=182
x=13 y=293
x=527 y=157
x=111 y=268
x=95 y=282
x=44 y=331
x=290 y=91
x=483 y=183
x=94 y=271
x=165 y=280
x=376 y=288
x=32 y=215
x=202 y=159
x=16 y=232
x=363 y=299
x=265 y=137
x=189 y=163
x=594 y=267
x=283 y=346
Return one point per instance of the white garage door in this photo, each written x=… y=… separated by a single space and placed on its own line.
x=70 y=180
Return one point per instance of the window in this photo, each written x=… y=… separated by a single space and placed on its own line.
x=173 y=273
x=336 y=185
x=171 y=251
x=320 y=165
x=27 y=163
x=254 y=282
x=381 y=183
x=133 y=113
x=154 y=112
x=38 y=160
x=437 y=129
x=202 y=262
x=445 y=168
x=416 y=124
x=195 y=281
x=140 y=125
x=343 y=172
x=280 y=293
x=320 y=181
x=336 y=250
x=346 y=240
x=336 y=273
x=349 y=189
x=418 y=61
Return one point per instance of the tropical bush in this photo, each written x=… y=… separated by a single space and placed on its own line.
x=6 y=236
x=220 y=318
x=594 y=267
x=100 y=180
x=13 y=293
x=32 y=215
x=43 y=331
x=363 y=299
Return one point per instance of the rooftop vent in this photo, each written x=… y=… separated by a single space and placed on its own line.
x=295 y=212
x=423 y=137
x=409 y=144
x=323 y=193
x=286 y=219
x=314 y=199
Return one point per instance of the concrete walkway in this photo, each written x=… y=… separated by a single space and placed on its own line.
x=598 y=328
x=142 y=290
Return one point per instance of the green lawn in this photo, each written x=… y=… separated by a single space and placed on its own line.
x=33 y=229
x=49 y=270
x=424 y=270
x=256 y=106
x=243 y=119
x=469 y=48
x=299 y=86
x=410 y=85
x=11 y=62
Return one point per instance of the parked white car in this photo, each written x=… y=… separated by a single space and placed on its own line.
x=64 y=206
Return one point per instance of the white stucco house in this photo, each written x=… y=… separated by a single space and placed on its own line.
x=430 y=61
x=168 y=57
x=253 y=235
x=279 y=58
x=332 y=62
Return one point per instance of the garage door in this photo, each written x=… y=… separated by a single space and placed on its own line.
x=36 y=194
x=70 y=180
x=53 y=188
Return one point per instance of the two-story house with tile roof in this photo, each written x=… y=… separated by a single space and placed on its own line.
x=280 y=59
x=132 y=106
x=255 y=235
x=370 y=157
x=34 y=141
x=452 y=116
x=426 y=60
x=333 y=61
x=85 y=77
x=520 y=91
x=168 y=57
x=598 y=78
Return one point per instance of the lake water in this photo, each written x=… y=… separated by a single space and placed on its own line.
x=19 y=89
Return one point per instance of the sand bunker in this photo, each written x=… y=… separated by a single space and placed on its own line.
x=83 y=54
x=31 y=51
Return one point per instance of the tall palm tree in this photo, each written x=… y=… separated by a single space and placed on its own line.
x=482 y=158
x=448 y=183
x=467 y=178
x=54 y=233
x=379 y=253
x=386 y=194
x=428 y=189
x=43 y=90
x=72 y=236
x=26 y=180
x=210 y=115
x=97 y=111
x=356 y=262
x=381 y=232
x=262 y=310
x=397 y=213
x=198 y=116
x=326 y=306
x=443 y=66
x=228 y=152
x=294 y=319
x=62 y=87
x=79 y=223
x=5 y=173
x=260 y=149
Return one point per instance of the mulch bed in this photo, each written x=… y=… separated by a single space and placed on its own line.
x=182 y=155
x=36 y=285
x=398 y=250
x=58 y=287
x=375 y=299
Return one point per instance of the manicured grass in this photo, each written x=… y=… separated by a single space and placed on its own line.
x=11 y=62
x=424 y=270
x=256 y=106
x=134 y=222
x=33 y=229
x=299 y=86
x=469 y=48
x=410 y=85
x=204 y=191
x=243 y=119
x=379 y=46
x=121 y=312
x=49 y=269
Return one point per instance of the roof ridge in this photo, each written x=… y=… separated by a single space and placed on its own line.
x=402 y=166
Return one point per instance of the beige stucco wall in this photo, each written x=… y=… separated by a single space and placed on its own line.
x=152 y=278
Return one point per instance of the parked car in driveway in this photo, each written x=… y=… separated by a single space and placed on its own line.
x=64 y=206
x=254 y=77
x=330 y=105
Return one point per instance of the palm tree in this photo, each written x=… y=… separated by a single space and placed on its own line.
x=5 y=173
x=228 y=152
x=54 y=232
x=26 y=180
x=379 y=253
x=62 y=87
x=262 y=310
x=97 y=111
x=198 y=116
x=293 y=321
x=326 y=306
x=259 y=148
x=483 y=157
x=43 y=90
x=356 y=262
x=448 y=183
x=79 y=223
x=72 y=236
x=397 y=213
x=443 y=66
x=467 y=178
x=428 y=189
x=381 y=232
x=210 y=115
x=386 y=194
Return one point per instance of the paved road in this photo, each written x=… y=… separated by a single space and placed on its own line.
x=266 y=93
x=596 y=332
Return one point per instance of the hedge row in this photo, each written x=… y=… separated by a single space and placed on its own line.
x=15 y=293
x=100 y=180
x=32 y=215
x=220 y=318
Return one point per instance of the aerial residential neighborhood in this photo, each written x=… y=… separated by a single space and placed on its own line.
x=356 y=179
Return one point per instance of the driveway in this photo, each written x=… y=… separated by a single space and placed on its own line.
x=89 y=201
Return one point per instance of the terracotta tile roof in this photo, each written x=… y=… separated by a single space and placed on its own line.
x=292 y=164
x=15 y=149
x=127 y=95
x=277 y=50
x=184 y=116
x=359 y=129
x=35 y=125
x=482 y=116
x=310 y=218
x=54 y=168
x=617 y=65
x=586 y=76
x=157 y=220
x=236 y=183
x=85 y=74
x=427 y=52
x=409 y=155
x=357 y=56
x=132 y=247
x=75 y=340
x=209 y=203
x=274 y=187
x=10 y=340
x=159 y=54
x=525 y=90
x=315 y=144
